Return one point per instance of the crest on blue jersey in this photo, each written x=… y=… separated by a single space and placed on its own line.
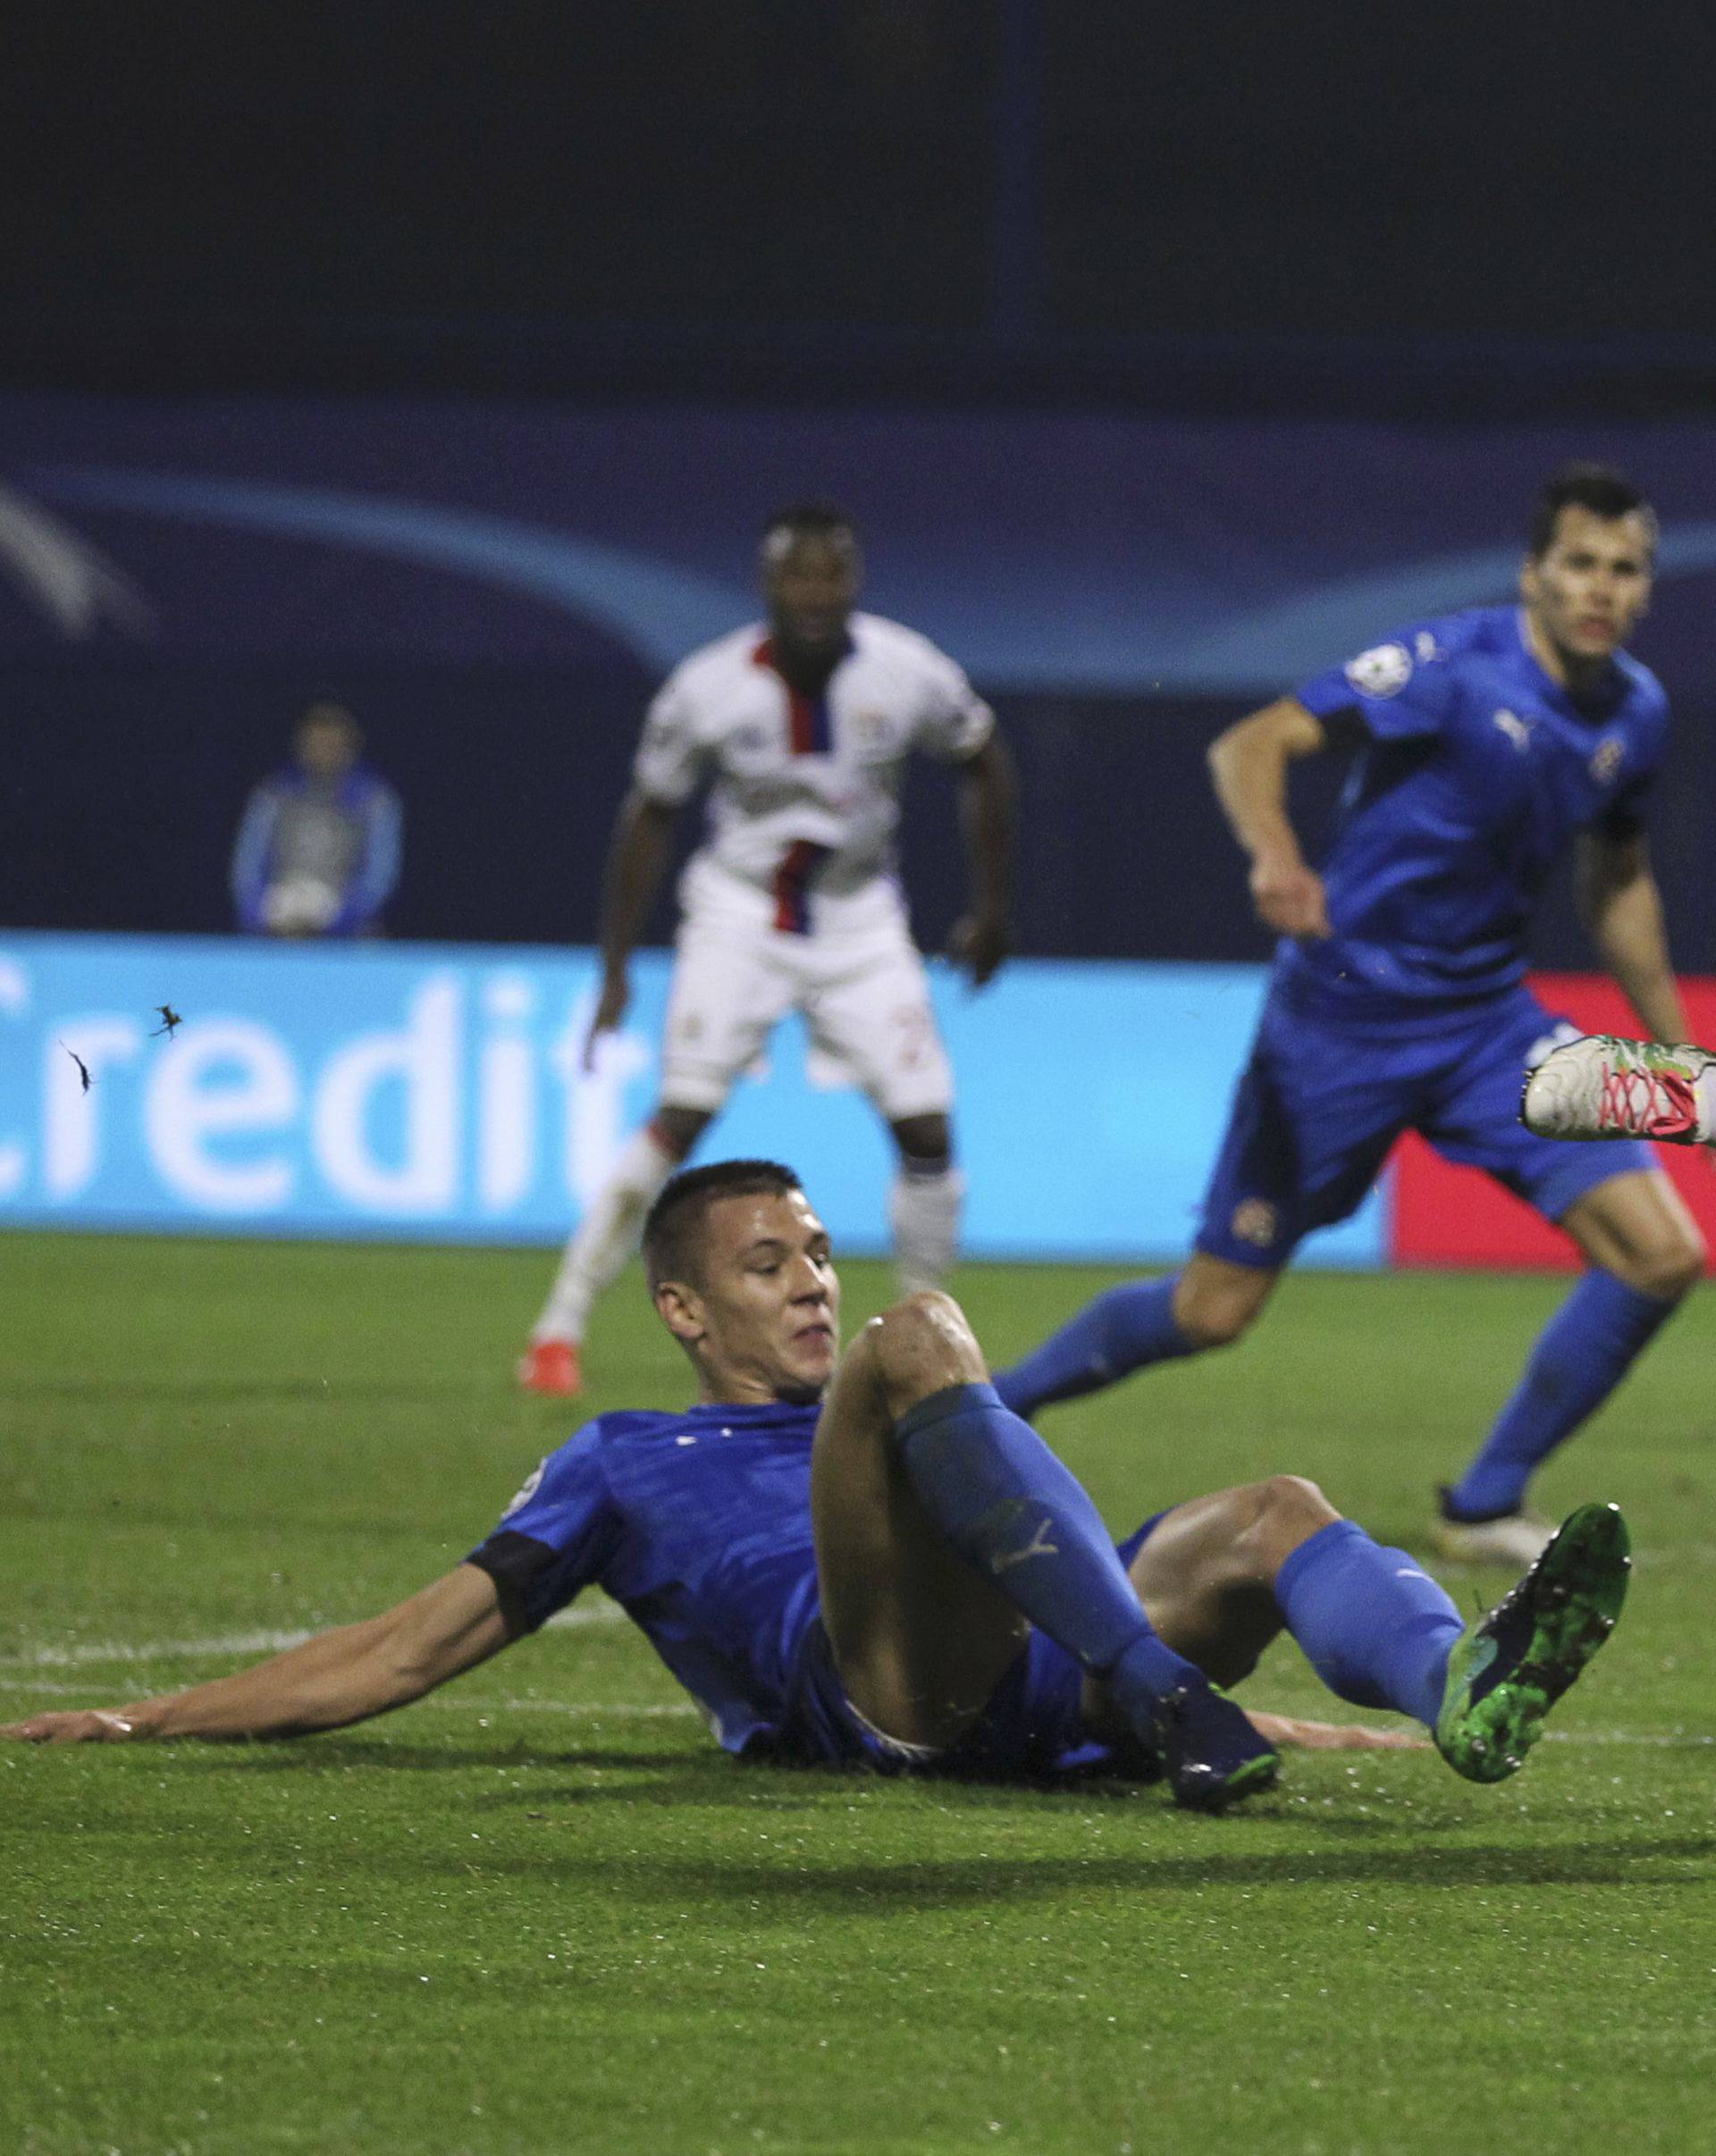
x=1607 y=760
x=532 y=1482
x=1383 y=670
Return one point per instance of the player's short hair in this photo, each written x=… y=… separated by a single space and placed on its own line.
x=325 y=711
x=673 y=1228
x=813 y=518
x=1599 y=488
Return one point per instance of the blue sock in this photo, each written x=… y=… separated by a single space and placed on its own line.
x=1375 y=1629
x=1012 y=1511
x=1119 y=1332
x=1581 y=1355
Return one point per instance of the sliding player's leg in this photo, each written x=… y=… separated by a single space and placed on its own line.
x=1223 y=1575
x=945 y=1527
x=724 y=1000
x=1312 y=1121
x=1641 y=1244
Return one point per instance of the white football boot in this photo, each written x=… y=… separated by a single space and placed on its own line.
x=1516 y=1539
x=1605 y=1087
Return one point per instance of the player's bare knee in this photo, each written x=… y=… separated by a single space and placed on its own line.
x=1670 y=1266
x=922 y=1345
x=678 y=1129
x=1286 y=1510
x=1215 y=1316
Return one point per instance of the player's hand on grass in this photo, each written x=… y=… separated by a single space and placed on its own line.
x=73 y=1725
x=610 y=1007
x=1334 y=1737
x=1289 y=897
x=978 y=945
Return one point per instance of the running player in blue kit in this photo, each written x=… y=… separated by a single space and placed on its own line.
x=903 y=1576
x=1487 y=742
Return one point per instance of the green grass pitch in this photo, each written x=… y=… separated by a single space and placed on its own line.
x=541 y=1912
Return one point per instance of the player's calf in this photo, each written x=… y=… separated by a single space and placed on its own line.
x=1215 y=1302
x=1206 y=1573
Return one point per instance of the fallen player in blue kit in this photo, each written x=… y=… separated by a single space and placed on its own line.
x=869 y=1561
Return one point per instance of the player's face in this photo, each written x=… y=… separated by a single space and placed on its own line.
x=764 y=1313
x=1586 y=591
x=811 y=583
x=327 y=744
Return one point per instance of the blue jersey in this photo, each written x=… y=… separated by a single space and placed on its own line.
x=698 y=1524
x=1475 y=772
x=343 y=833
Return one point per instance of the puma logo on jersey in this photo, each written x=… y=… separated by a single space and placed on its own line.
x=1037 y=1546
x=1517 y=729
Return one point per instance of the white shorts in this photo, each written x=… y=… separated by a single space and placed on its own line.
x=863 y=994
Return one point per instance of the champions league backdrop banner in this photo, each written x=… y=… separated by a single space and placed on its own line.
x=496 y=590
x=438 y=1094
x=1117 y=554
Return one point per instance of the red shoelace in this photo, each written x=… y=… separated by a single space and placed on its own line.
x=1649 y=1103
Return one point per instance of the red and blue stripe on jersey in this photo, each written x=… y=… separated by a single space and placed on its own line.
x=793 y=877
x=809 y=732
x=809 y=728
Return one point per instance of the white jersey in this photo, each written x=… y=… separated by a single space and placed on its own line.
x=804 y=800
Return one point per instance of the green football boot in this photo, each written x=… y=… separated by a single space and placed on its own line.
x=1505 y=1675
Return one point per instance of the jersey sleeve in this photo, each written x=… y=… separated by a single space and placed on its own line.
x=671 y=758
x=252 y=852
x=555 y=1535
x=1393 y=693
x=953 y=722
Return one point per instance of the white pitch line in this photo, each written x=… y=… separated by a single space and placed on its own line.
x=267 y=1642
x=154 y=1650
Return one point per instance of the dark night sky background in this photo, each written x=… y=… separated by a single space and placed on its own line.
x=924 y=195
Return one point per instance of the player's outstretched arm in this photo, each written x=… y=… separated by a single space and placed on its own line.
x=341 y=1676
x=1248 y=766
x=637 y=856
x=1293 y=1730
x=1623 y=912
x=980 y=941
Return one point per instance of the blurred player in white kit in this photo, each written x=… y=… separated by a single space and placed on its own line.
x=802 y=724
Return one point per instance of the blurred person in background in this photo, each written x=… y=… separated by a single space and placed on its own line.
x=317 y=852
x=803 y=723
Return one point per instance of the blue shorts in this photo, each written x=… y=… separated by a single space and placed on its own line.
x=1325 y=1097
x=1032 y=1728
